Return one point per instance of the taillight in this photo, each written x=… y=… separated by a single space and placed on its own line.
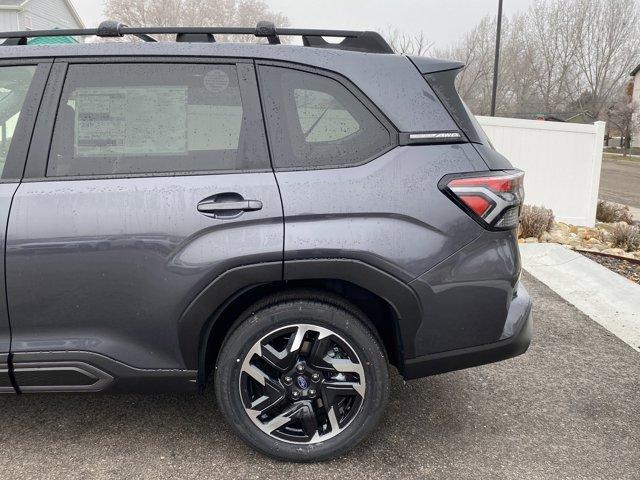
x=493 y=199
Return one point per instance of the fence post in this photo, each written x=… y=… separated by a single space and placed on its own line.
x=598 y=145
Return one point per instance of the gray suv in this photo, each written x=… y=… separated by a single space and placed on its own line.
x=288 y=220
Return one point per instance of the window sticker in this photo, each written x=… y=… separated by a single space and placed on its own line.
x=130 y=121
x=216 y=81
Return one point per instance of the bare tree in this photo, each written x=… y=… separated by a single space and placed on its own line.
x=623 y=114
x=517 y=94
x=475 y=50
x=608 y=47
x=408 y=44
x=551 y=43
x=193 y=13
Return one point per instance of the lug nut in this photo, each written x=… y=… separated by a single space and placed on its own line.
x=300 y=368
x=295 y=394
x=312 y=392
x=315 y=377
x=288 y=380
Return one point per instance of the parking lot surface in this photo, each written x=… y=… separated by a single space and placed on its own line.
x=568 y=409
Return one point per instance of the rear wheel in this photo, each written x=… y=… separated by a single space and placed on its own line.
x=302 y=379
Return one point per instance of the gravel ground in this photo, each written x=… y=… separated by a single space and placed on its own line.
x=568 y=409
x=622 y=267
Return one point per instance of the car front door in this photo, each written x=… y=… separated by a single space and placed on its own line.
x=146 y=181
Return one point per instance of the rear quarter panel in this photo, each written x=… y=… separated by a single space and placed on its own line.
x=388 y=213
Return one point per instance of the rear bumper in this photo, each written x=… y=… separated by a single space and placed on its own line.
x=516 y=339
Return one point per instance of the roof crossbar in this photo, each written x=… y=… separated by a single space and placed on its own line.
x=363 y=41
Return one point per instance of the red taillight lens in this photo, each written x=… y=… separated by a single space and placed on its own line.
x=479 y=205
x=493 y=199
x=495 y=184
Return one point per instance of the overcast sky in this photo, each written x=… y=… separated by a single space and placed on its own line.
x=443 y=21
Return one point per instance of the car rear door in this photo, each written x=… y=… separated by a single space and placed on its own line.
x=147 y=180
x=21 y=86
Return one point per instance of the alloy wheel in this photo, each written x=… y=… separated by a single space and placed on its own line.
x=302 y=384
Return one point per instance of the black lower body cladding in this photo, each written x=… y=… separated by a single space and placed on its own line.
x=519 y=327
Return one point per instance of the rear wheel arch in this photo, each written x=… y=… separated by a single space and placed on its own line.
x=389 y=304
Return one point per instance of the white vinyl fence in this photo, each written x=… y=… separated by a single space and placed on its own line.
x=561 y=162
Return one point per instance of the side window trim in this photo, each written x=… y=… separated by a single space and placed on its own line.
x=21 y=142
x=43 y=132
x=252 y=107
x=351 y=88
x=37 y=160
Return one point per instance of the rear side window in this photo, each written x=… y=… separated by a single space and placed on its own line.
x=323 y=118
x=314 y=121
x=14 y=83
x=151 y=118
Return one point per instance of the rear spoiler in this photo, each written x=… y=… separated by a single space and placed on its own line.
x=433 y=65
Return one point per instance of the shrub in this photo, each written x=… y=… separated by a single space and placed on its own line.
x=534 y=221
x=609 y=212
x=626 y=237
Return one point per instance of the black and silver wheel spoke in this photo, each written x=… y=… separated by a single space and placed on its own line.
x=336 y=390
x=302 y=384
x=263 y=391
x=308 y=420
x=310 y=424
x=319 y=351
x=337 y=397
x=285 y=358
x=273 y=394
x=279 y=420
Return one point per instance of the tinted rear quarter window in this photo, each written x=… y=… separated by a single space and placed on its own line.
x=316 y=122
x=128 y=118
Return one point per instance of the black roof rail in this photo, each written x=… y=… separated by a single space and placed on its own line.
x=363 y=41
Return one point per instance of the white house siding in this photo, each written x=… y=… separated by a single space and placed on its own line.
x=46 y=14
x=8 y=20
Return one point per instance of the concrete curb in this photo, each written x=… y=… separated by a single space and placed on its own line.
x=606 y=297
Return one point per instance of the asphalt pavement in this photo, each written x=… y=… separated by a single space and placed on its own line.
x=568 y=409
x=620 y=183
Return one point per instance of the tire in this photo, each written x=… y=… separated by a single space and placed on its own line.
x=345 y=375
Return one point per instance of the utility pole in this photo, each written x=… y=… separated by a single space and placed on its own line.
x=496 y=61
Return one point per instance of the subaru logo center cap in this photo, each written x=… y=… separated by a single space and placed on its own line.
x=302 y=383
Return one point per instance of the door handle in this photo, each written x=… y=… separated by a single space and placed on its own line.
x=211 y=206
